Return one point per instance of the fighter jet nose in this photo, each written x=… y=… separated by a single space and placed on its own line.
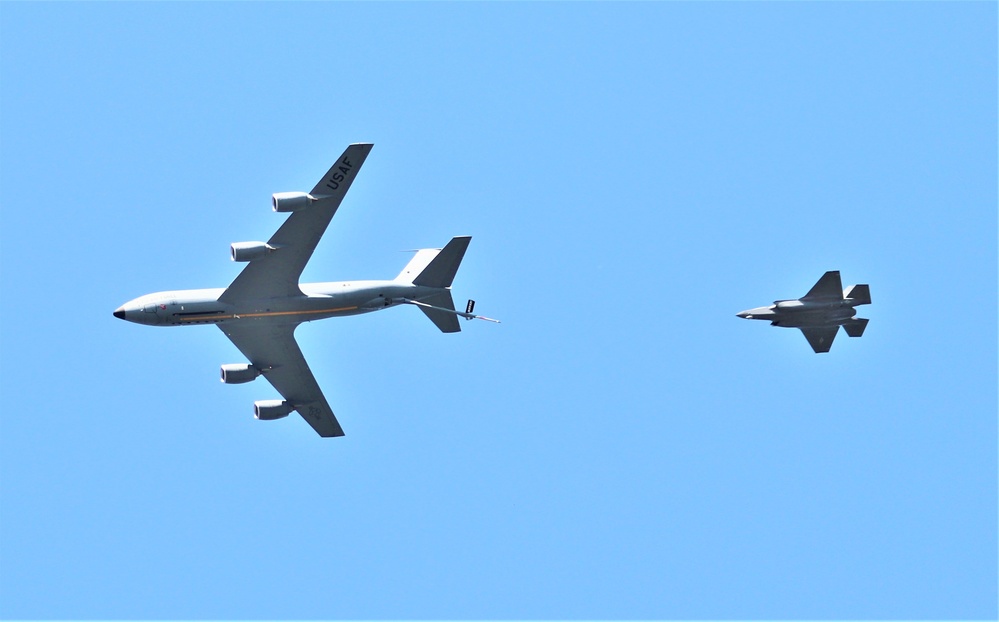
x=746 y=315
x=120 y=313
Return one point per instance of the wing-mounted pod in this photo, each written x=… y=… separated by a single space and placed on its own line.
x=248 y=251
x=268 y=410
x=239 y=373
x=292 y=201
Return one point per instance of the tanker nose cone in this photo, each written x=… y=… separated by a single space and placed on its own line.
x=120 y=313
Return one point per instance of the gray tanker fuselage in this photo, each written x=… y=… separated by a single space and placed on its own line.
x=320 y=300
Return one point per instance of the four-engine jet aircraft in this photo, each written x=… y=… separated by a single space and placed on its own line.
x=820 y=312
x=260 y=310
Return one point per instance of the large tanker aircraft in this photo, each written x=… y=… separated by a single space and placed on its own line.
x=260 y=310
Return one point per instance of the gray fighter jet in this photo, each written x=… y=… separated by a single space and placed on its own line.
x=820 y=312
x=260 y=310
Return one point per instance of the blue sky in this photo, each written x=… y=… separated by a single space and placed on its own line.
x=622 y=446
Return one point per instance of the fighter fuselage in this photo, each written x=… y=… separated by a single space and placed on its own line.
x=799 y=313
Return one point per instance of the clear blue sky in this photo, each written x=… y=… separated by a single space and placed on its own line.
x=622 y=446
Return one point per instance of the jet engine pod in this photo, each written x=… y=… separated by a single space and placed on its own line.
x=248 y=251
x=291 y=201
x=268 y=410
x=239 y=373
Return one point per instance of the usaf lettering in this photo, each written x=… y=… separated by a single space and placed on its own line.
x=334 y=181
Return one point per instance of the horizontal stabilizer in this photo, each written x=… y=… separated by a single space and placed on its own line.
x=442 y=268
x=417 y=264
x=855 y=327
x=445 y=320
x=861 y=294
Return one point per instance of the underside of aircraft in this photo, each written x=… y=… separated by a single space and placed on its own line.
x=263 y=306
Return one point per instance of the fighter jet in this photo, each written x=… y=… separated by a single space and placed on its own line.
x=260 y=310
x=820 y=312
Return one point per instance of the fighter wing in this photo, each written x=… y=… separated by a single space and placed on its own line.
x=829 y=286
x=271 y=347
x=276 y=274
x=820 y=338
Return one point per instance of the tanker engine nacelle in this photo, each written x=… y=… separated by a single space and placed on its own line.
x=268 y=410
x=291 y=201
x=248 y=251
x=239 y=373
